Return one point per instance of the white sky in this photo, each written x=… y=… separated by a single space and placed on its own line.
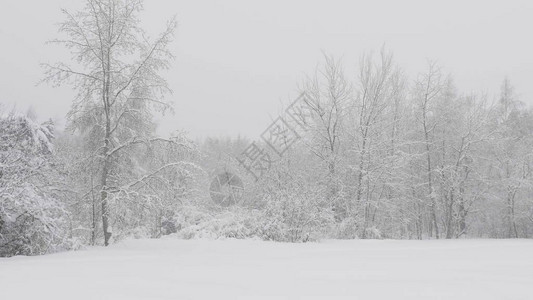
x=238 y=60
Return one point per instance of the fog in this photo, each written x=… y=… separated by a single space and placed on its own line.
x=238 y=61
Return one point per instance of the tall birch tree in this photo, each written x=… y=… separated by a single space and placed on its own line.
x=116 y=71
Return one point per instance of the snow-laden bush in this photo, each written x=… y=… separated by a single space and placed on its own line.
x=32 y=219
x=347 y=228
x=298 y=214
x=235 y=222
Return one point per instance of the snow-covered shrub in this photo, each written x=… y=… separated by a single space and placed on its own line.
x=294 y=216
x=347 y=228
x=32 y=219
x=168 y=226
x=298 y=214
x=235 y=222
x=373 y=233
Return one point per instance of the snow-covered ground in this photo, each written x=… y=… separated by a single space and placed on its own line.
x=236 y=269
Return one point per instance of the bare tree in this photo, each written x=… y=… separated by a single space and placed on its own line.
x=327 y=94
x=428 y=88
x=512 y=154
x=378 y=88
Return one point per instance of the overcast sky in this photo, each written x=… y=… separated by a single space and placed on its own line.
x=237 y=61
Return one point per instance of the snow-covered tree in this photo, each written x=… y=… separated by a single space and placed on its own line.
x=374 y=119
x=33 y=219
x=512 y=162
x=115 y=68
x=327 y=95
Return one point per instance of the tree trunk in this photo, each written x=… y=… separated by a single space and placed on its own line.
x=462 y=218
x=105 y=211
x=105 y=170
x=93 y=229
x=432 y=204
x=449 y=216
x=513 y=232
